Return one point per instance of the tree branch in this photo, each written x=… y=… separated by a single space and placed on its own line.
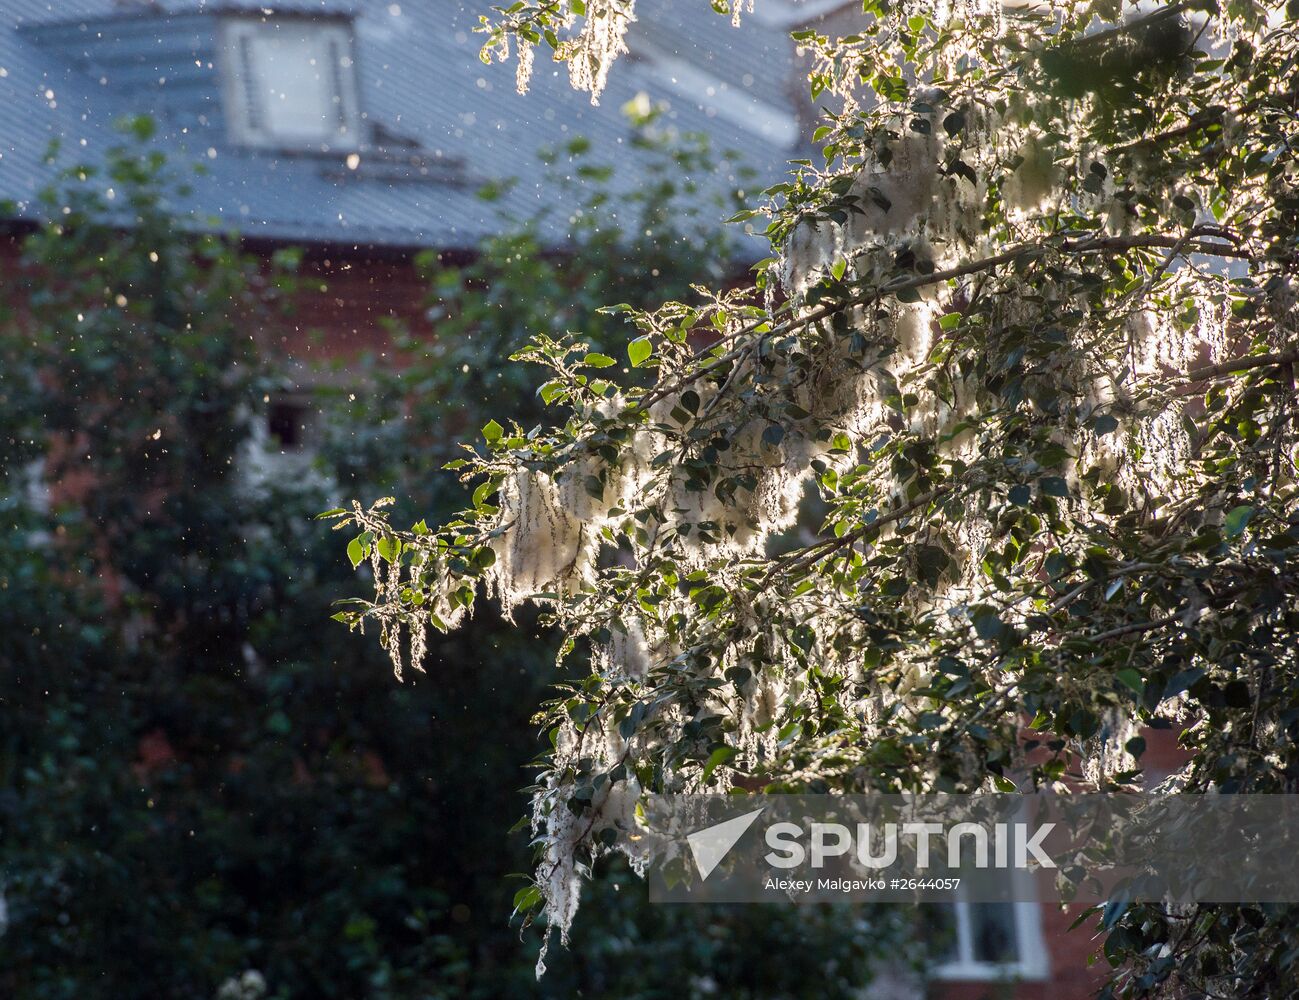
x=814 y=553
x=1207 y=372
x=1093 y=244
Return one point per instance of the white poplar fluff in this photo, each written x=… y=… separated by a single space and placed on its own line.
x=687 y=489
x=590 y=53
x=543 y=545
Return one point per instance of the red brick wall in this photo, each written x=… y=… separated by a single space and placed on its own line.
x=10 y=248
x=345 y=305
x=1070 y=977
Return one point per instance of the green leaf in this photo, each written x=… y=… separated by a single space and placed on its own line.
x=552 y=389
x=493 y=432
x=389 y=548
x=1235 y=521
x=1131 y=678
x=482 y=491
x=1115 y=908
x=638 y=351
x=527 y=898
x=718 y=757
x=1105 y=424
x=356 y=552
x=1054 y=486
x=987 y=624
x=1182 y=680
x=599 y=361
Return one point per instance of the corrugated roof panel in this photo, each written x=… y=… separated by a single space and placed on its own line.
x=448 y=122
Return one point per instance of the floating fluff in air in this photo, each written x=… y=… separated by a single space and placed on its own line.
x=893 y=201
x=896 y=196
x=844 y=389
x=560 y=880
x=956 y=436
x=766 y=701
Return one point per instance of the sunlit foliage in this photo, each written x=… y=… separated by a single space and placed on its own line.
x=1027 y=338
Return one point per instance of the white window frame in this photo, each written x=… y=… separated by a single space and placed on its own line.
x=236 y=35
x=1031 y=961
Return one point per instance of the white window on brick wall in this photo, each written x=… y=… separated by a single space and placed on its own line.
x=290 y=83
x=985 y=942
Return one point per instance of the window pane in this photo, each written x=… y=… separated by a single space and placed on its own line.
x=288 y=423
x=992 y=928
x=295 y=86
x=939 y=931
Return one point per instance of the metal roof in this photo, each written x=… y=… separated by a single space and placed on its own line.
x=446 y=123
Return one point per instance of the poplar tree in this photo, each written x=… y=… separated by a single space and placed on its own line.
x=989 y=472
